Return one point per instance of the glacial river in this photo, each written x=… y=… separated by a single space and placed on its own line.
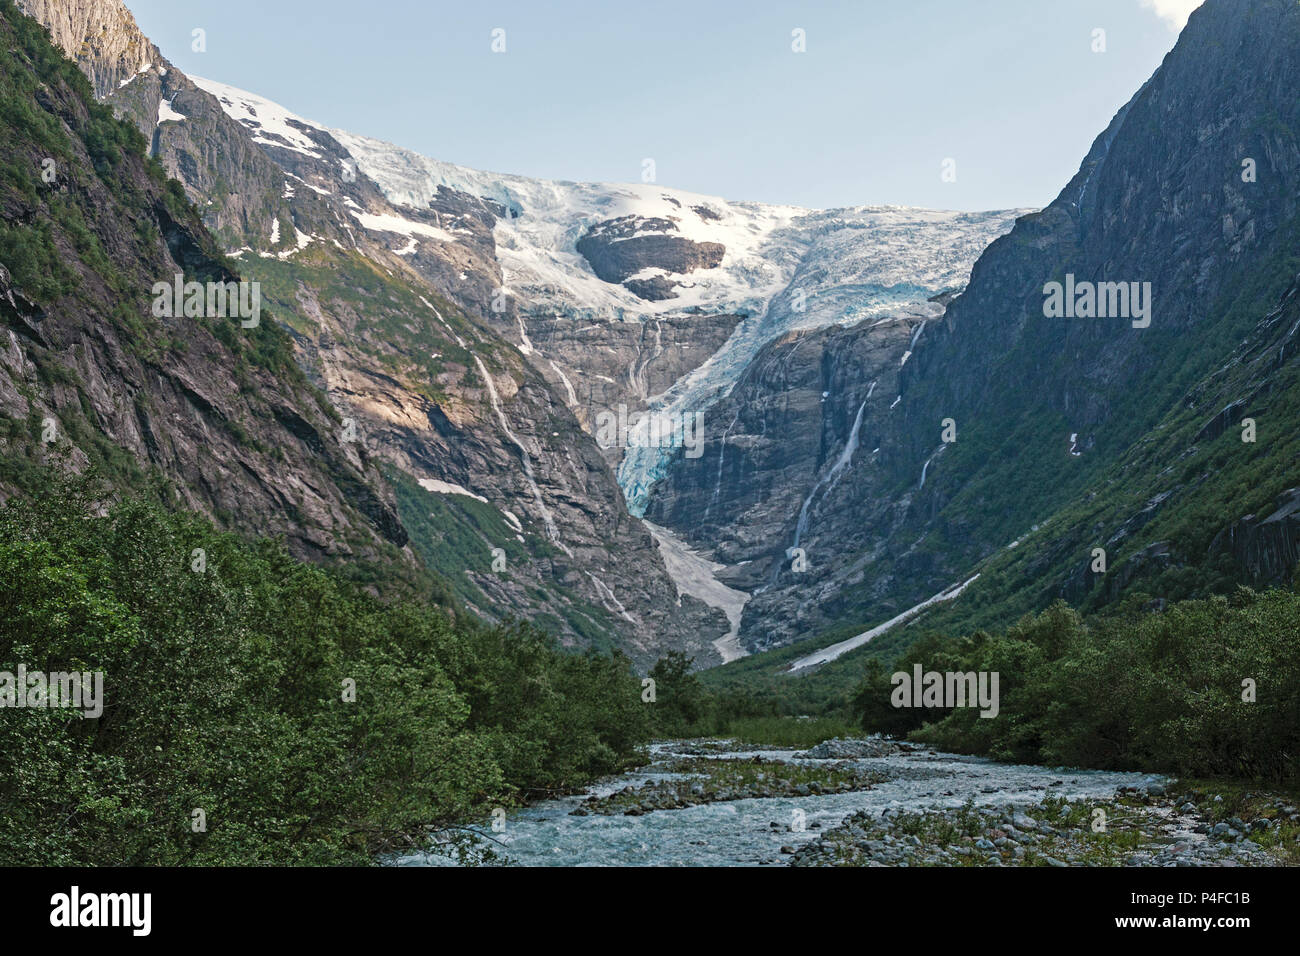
x=740 y=832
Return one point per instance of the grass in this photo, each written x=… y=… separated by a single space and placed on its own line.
x=706 y=780
x=790 y=732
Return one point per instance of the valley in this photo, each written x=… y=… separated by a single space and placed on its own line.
x=621 y=503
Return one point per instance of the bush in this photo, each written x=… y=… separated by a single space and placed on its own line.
x=1133 y=690
x=225 y=692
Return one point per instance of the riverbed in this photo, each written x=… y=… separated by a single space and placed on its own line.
x=764 y=831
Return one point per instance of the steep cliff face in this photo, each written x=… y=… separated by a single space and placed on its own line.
x=1266 y=546
x=781 y=448
x=224 y=173
x=91 y=373
x=101 y=38
x=506 y=496
x=365 y=288
x=870 y=437
x=680 y=291
x=1097 y=430
x=1192 y=189
x=637 y=251
x=698 y=285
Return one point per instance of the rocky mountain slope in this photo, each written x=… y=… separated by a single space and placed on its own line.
x=867 y=437
x=507 y=498
x=1085 y=433
x=617 y=300
x=658 y=299
x=90 y=373
x=577 y=266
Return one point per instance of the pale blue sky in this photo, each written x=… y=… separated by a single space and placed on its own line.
x=710 y=89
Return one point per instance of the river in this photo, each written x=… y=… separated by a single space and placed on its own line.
x=742 y=832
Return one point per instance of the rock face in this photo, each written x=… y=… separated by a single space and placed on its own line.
x=370 y=283
x=102 y=38
x=619 y=249
x=778 y=493
x=1268 y=548
x=197 y=143
x=780 y=268
x=1190 y=189
x=782 y=446
x=89 y=374
x=1071 y=433
x=870 y=437
x=417 y=386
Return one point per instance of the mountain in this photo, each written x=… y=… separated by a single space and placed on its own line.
x=643 y=302
x=506 y=498
x=540 y=365
x=91 y=373
x=1170 y=446
x=657 y=298
x=480 y=328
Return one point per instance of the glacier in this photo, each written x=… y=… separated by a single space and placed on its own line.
x=785 y=268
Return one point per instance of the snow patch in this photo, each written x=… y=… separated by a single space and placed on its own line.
x=403 y=227
x=166 y=114
x=694 y=575
x=440 y=487
x=270 y=123
x=843 y=647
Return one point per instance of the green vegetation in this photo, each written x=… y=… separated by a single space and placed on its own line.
x=794 y=733
x=454 y=535
x=227 y=691
x=699 y=780
x=686 y=706
x=399 y=332
x=71 y=175
x=680 y=702
x=1061 y=831
x=1131 y=690
x=1152 y=477
x=1020 y=483
x=1223 y=800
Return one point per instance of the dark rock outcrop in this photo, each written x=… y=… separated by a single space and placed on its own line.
x=620 y=248
x=1268 y=549
x=374 y=328
x=200 y=401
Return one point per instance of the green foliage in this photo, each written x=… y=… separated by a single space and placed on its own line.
x=225 y=691
x=792 y=732
x=28 y=251
x=680 y=700
x=1131 y=690
x=686 y=706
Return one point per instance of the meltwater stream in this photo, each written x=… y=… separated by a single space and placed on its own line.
x=740 y=832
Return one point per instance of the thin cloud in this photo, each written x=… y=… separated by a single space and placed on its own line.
x=1173 y=12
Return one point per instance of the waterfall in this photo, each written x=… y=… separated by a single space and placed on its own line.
x=547 y=520
x=722 y=454
x=832 y=476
